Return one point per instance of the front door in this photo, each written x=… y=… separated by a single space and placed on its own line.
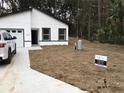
x=34 y=36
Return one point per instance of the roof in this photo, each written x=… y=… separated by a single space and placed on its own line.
x=30 y=9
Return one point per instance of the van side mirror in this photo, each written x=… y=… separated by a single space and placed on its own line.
x=14 y=37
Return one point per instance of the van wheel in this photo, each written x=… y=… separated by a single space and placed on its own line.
x=9 y=57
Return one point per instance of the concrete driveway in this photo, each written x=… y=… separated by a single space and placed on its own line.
x=18 y=77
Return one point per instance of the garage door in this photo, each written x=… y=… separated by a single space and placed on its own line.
x=19 y=36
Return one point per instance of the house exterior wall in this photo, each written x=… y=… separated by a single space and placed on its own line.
x=18 y=21
x=41 y=20
x=34 y=19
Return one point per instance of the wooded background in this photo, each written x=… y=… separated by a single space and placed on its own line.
x=101 y=20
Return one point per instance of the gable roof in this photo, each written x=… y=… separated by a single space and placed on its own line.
x=30 y=9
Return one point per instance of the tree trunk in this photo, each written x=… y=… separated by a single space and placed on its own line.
x=89 y=24
x=99 y=13
x=0 y=9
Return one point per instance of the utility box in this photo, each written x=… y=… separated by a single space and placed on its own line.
x=79 y=45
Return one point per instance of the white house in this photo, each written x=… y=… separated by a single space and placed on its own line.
x=34 y=27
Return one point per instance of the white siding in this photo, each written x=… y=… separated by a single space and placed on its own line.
x=40 y=20
x=19 y=21
x=37 y=20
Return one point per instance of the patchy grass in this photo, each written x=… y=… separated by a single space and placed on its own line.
x=77 y=67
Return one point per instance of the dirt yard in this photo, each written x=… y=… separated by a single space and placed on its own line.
x=77 y=67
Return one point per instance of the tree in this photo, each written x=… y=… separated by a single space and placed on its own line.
x=101 y=20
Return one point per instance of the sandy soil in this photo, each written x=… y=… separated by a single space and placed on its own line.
x=77 y=67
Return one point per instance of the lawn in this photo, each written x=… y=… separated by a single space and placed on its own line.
x=77 y=67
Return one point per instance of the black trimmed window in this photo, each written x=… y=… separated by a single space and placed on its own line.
x=13 y=31
x=46 y=34
x=62 y=34
x=19 y=31
x=8 y=31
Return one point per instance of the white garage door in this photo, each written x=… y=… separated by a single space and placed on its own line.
x=19 y=36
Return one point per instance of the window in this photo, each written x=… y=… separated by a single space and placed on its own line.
x=46 y=34
x=19 y=31
x=62 y=34
x=13 y=31
x=8 y=31
x=6 y=36
x=9 y=36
